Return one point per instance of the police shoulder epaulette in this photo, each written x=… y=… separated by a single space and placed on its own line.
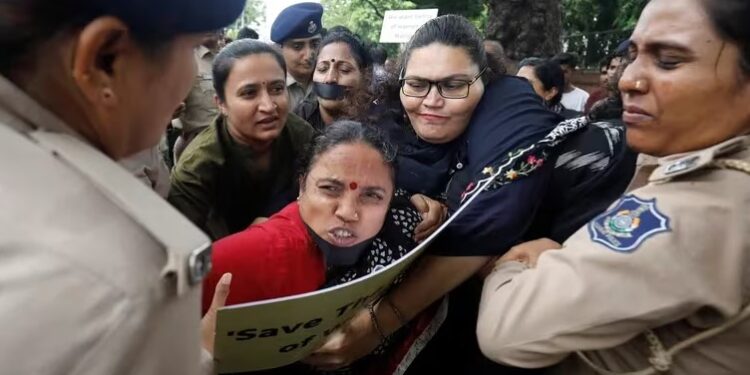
x=676 y=166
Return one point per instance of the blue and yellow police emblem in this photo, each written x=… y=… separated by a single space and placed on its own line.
x=625 y=226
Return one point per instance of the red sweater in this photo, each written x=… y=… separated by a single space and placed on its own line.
x=274 y=259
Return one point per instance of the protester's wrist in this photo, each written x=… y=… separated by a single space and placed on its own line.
x=389 y=316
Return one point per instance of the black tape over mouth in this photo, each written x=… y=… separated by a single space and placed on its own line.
x=330 y=91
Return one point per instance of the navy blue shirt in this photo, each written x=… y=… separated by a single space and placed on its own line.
x=593 y=168
x=509 y=117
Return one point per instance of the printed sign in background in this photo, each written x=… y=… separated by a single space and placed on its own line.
x=400 y=25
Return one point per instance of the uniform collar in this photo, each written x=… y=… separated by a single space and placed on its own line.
x=187 y=249
x=681 y=164
x=35 y=116
x=290 y=80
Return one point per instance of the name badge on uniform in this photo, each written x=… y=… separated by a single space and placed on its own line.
x=625 y=226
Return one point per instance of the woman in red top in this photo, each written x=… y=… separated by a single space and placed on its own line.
x=329 y=235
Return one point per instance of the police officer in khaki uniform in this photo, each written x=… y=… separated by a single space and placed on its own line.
x=98 y=274
x=200 y=105
x=661 y=281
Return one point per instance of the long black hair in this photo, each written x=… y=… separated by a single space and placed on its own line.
x=549 y=73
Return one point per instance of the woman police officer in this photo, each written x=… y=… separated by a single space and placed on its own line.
x=661 y=281
x=99 y=275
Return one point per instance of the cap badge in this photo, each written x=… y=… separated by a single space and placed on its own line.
x=313 y=27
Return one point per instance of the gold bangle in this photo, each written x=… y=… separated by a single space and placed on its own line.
x=371 y=308
x=396 y=311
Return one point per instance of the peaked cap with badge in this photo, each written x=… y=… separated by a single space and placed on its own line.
x=298 y=21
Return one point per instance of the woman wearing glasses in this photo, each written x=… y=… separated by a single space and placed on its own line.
x=465 y=118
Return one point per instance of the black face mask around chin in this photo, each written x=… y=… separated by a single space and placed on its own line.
x=330 y=91
x=337 y=255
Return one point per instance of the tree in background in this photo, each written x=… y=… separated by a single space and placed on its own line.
x=525 y=27
x=253 y=15
x=594 y=28
x=474 y=10
x=365 y=17
x=590 y=28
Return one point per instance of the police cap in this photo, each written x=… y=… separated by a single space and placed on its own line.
x=171 y=17
x=298 y=21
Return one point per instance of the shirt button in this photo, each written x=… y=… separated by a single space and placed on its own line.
x=459 y=166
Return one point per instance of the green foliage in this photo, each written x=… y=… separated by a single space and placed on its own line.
x=480 y=21
x=594 y=28
x=253 y=15
x=365 y=17
x=627 y=17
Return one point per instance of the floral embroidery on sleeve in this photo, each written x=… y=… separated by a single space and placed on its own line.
x=524 y=161
x=522 y=168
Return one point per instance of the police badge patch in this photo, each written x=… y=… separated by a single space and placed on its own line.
x=625 y=226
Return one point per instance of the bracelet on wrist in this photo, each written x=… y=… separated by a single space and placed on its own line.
x=396 y=311
x=375 y=323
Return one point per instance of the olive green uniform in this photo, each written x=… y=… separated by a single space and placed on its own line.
x=220 y=186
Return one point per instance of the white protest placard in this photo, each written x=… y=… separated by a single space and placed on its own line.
x=400 y=25
x=273 y=333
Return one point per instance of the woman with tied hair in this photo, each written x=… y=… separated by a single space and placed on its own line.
x=242 y=168
x=659 y=283
x=455 y=122
x=335 y=232
x=548 y=80
x=99 y=274
x=341 y=82
x=346 y=224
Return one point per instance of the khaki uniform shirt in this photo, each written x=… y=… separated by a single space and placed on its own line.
x=297 y=93
x=200 y=106
x=96 y=273
x=148 y=166
x=669 y=260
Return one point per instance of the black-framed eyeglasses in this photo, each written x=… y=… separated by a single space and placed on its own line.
x=447 y=88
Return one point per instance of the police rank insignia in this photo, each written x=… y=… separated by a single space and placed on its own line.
x=625 y=226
